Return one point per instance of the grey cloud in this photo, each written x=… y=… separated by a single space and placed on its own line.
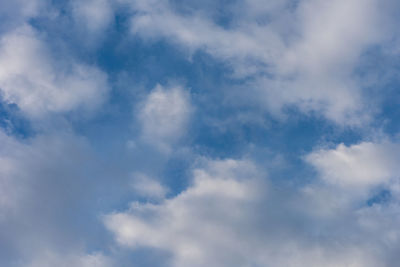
x=48 y=186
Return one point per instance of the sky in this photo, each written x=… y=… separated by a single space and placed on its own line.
x=181 y=133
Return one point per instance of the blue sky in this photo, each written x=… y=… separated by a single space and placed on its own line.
x=199 y=133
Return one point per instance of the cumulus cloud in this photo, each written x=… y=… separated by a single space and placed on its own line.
x=164 y=115
x=38 y=84
x=230 y=216
x=56 y=185
x=365 y=164
x=192 y=225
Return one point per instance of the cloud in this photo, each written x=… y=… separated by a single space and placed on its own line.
x=302 y=55
x=48 y=186
x=16 y=13
x=145 y=186
x=65 y=187
x=32 y=78
x=362 y=165
x=164 y=115
x=192 y=224
x=94 y=15
x=51 y=259
x=231 y=216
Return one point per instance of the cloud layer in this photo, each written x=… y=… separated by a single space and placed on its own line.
x=199 y=133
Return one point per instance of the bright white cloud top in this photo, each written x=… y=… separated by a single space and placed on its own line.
x=186 y=133
x=365 y=164
x=164 y=116
x=38 y=84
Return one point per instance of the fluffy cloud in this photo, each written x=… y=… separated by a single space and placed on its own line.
x=365 y=164
x=38 y=84
x=193 y=225
x=230 y=216
x=56 y=184
x=164 y=115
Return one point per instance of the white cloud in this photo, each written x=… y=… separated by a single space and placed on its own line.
x=164 y=116
x=145 y=186
x=323 y=58
x=365 y=164
x=39 y=84
x=192 y=225
x=157 y=19
x=229 y=216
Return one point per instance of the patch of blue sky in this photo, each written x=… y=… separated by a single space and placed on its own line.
x=380 y=198
x=13 y=123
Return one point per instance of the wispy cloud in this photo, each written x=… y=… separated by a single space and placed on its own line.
x=303 y=55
